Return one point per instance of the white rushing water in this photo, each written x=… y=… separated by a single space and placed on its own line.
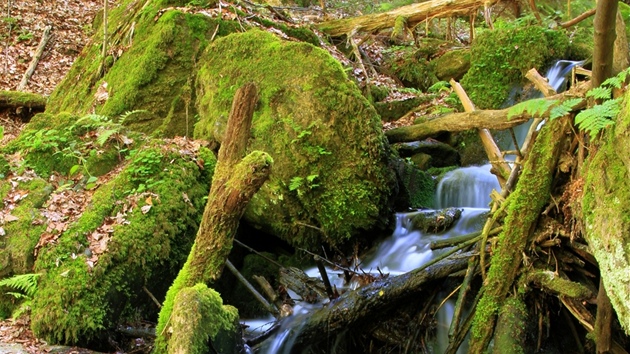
x=466 y=188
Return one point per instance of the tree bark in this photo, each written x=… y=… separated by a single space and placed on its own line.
x=413 y=14
x=235 y=181
x=604 y=27
x=524 y=207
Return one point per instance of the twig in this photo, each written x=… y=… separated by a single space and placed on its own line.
x=461 y=297
x=152 y=297
x=457 y=340
x=578 y=19
x=324 y=274
x=251 y=289
x=38 y=54
x=452 y=241
x=258 y=253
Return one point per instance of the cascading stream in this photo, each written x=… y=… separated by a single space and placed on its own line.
x=466 y=188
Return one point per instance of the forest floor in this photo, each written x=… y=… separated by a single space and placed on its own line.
x=21 y=27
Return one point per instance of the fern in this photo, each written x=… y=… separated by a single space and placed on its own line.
x=27 y=283
x=618 y=80
x=124 y=116
x=598 y=117
x=535 y=107
x=564 y=108
x=104 y=135
x=296 y=182
x=600 y=93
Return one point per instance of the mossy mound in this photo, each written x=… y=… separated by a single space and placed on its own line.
x=330 y=178
x=453 y=64
x=501 y=57
x=154 y=74
x=141 y=225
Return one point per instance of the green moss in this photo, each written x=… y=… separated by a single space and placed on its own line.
x=152 y=75
x=606 y=212
x=325 y=138
x=413 y=69
x=146 y=249
x=500 y=58
x=511 y=335
x=198 y=316
x=452 y=65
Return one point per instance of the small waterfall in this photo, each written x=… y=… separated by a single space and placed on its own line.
x=467 y=188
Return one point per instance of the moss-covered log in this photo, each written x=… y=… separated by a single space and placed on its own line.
x=462 y=121
x=605 y=208
x=525 y=204
x=357 y=309
x=14 y=99
x=235 y=181
x=411 y=15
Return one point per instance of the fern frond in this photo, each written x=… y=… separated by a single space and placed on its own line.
x=563 y=109
x=618 y=80
x=104 y=135
x=296 y=182
x=600 y=93
x=536 y=107
x=598 y=117
x=27 y=283
x=122 y=117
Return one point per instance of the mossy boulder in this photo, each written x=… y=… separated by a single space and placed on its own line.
x=330 y=178
x=453 y=64
x=501 y=57
x=136 y=232
x=153 y=69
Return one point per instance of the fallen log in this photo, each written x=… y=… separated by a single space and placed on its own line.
x=365 y=306
x=15 y=99
x=411 y=14
x=38 y=54
x=462 y=121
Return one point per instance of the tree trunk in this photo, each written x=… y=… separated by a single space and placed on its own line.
x=604 y=26
x=412 y=14
x=235 y=181
x=524 y=207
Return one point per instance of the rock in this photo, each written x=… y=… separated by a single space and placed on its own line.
x=330 y=179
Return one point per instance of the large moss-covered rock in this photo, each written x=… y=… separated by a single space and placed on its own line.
x=501 y=57
x=152 y=68
x=330 y=178
x=136 y=232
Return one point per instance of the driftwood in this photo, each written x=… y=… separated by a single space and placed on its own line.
x=14 y=99
x=412 y=14
x=38 y=54
x=462 y=121
x=361 y=308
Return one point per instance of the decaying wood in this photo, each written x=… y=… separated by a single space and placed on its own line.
x=38 y=54
x=541 y=83
x=14 y=99
x=462 y=121
x=309 y=289
x=360 y=308
x=413 y=14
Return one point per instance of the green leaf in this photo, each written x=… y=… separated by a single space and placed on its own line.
x=536 y=107
x=73 y=170
x=600 y=93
